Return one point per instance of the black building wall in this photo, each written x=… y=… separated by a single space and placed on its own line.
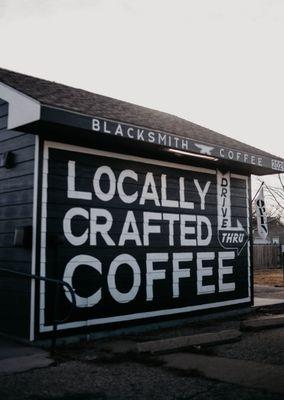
x=16 y=209
x=54 y=203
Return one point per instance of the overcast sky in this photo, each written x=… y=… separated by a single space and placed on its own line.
x=216 y=63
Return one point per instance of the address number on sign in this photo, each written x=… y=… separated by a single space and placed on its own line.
x=277 y=165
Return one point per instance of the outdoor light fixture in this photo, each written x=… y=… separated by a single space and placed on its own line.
x=7 y=160
x=187 y=153
x=23 y=236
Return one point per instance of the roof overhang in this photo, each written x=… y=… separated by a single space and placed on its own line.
x=28 y=114
x=167 y=141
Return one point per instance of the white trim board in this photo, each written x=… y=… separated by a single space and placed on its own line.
x=149 y=314
x=22 y=108
x=33 y=269
x=128 y=317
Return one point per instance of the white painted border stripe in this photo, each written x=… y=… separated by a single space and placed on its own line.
x=85 y=150
x=131 y=317
x=128 y=317
x=33 y=269
x=43 y=235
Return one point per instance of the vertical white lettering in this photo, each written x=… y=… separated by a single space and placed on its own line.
x=124 y=297
x=118 y=130
x=104 y=170
x=176 y=139
x=147 y=217
x=151 y=137
x=187 y=230
x=202 y=220
x=204 y=271
x=152 y=194
x=72 y=193
x=202 y=192
x=171 y=218
x=154 y=274
x=165 y=202
x=102 y=228
x=126 y=198
x=230 y=154
x=73 y=264
x=95 y=125
x=126 y=234
x=129 y=134
x=75 y=240
x=105 y=128
x=179 y=273
x=184 y=144
x=140 y=133
x=225 y=270
x=184 y=204
x=162 y=139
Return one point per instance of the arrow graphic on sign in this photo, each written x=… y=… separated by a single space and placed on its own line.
x=229 y=237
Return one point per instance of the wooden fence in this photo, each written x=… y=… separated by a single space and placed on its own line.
x=266 y=255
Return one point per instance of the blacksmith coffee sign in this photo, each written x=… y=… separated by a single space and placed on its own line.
x=140 y=238
x=183 y=143
x=140 y=134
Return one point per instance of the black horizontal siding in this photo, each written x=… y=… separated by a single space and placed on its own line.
x=3 y=110
x=3 y=122
x=10 y=134
x=16 y=209
x=3 y=115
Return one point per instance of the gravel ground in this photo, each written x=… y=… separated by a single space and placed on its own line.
x=265 y=346
x=74 y=377
x=118 y=381
x=212 y=325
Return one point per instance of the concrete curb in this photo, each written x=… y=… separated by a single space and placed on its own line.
x=171 y=344
x=245 y=373
x=266 y=302
x=119 y=333
x=262 y=323
x=181 y=342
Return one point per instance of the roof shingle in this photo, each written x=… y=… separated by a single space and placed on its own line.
x=82 y=101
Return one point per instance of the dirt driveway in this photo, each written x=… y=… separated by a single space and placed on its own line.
x=269 y=276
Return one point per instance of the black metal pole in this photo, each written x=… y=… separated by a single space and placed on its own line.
x=58 y=282
x=55 y=315
x=251 y=241
x=258 y=190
